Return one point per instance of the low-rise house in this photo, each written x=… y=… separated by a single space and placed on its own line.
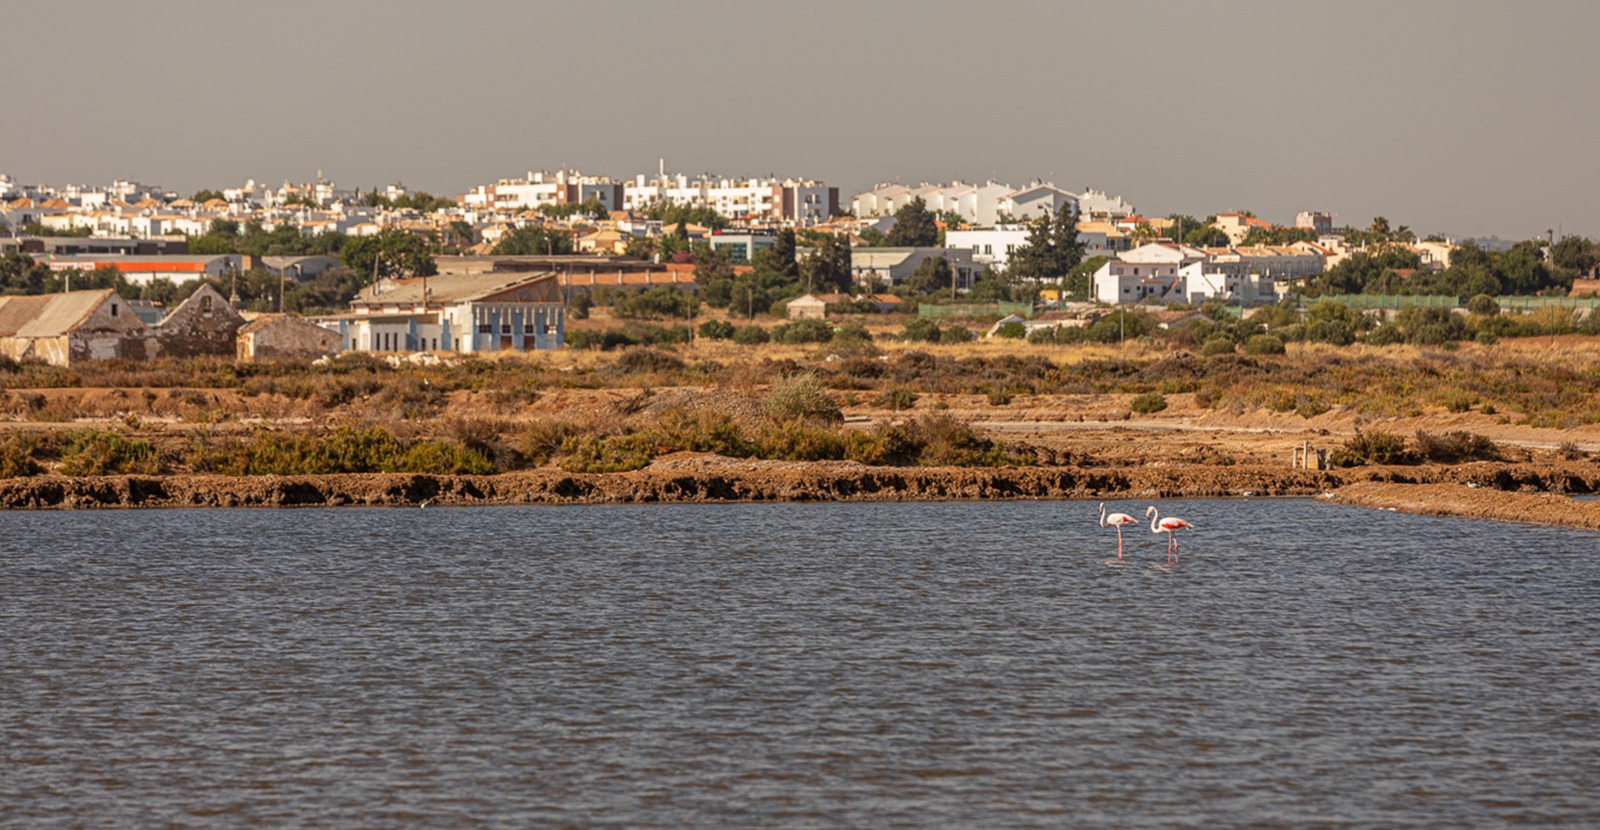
x=72 y=327
x=1238 y=225
x=298 y=268
x=807 y=307
x=471 y=313
x=1126 y=283
x=890 y=266
x=284 y=337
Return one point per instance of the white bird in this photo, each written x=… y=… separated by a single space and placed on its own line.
x=1117 y=520
x=1169 y=526
x=424 y=504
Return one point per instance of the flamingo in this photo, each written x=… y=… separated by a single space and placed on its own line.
x=1169 y=526
x=1117 y=520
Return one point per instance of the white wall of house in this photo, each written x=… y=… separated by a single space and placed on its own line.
x=1125 y=283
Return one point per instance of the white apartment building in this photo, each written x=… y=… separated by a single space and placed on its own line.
x=1095 y=204
x=539 y=189
x=977 y=204
x=1126 y=283
x=993 y=246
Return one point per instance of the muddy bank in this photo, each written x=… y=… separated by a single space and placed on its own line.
x=1458 y=500
x=701 y=478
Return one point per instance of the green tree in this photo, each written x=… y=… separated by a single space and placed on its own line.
x=783 y=251
x=390 y=253
x=203 y=196
x=713 y=277
x=1065 y=247
x=933 y=274
x=914 y=226
x=828 y=267
x=1035 y=258
x=1206 y=237
x=533 y=240
x=1575 y=253
x=19 y=274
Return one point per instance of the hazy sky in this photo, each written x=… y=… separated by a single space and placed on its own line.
x=1462 y=117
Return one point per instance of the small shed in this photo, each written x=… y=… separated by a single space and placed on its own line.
x=807 y=307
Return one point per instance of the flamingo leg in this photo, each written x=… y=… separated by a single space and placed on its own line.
x=1119 y=543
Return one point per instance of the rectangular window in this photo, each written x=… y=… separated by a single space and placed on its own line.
x=113 y=309
x=527 y=327
x=483 y=328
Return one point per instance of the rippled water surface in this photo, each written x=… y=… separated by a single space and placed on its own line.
x=924 y=665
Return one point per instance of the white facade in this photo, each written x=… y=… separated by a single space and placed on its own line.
x=989 y=246
x=1166 y=253
x=889 y=266
x=1125 y=283
x=1095 y=204
x=1225 y=281
x=1035 y=200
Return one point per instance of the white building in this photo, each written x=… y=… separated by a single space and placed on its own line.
x=885 y=267
x=1127 y=283
x=1036 y=199
x=1095 y=204
x=469 y=313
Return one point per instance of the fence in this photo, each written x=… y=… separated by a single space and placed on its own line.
x=975 y=310
x=1511 y=302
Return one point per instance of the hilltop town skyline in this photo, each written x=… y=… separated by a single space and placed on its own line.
x=1461 y=118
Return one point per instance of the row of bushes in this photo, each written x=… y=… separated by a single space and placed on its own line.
x=1376 y=447
x=95 y=452
x=932 y=439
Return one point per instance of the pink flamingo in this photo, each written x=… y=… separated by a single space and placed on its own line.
x=1117 y=520
x=1169 y=526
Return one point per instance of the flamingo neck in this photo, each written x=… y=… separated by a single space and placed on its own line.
x=1102 y=514
x=1155 y=517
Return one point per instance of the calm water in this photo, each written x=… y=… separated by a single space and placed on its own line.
x=917 y=665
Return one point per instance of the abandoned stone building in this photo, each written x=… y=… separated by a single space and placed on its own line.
x=72 y=327
x=285 y=337
x=76 y=326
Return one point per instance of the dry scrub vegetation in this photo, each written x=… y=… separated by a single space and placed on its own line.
x=585 y=411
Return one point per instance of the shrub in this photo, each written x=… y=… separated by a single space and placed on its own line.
x=851 y=332
x=957 y=334
x=1483 y=305
x=1455 y=446
x=1263 y=344
x=540 y=441
x=444 y=458
x=641 y=361
x=618 y=454
x=716 y=330
x=1012 y=331
x=751 y=335
x=1149 y=402
x=1370 y=447
x=94 y=452
x=801 y=397
x=921 y=330
x=702 y=431
x=16 y=457
x=1385 y=335
x=897 y=399
x=799 y=441
x=806 y=331
x=1220 y=344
